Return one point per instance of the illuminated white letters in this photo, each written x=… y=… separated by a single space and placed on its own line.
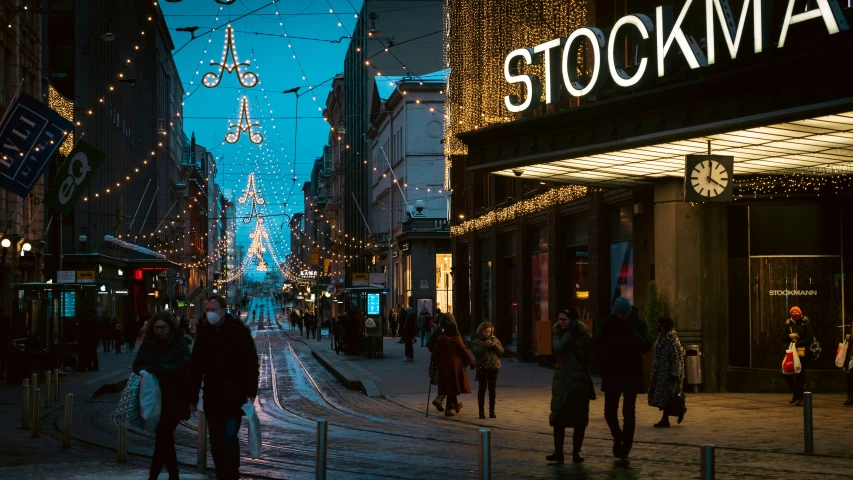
x=531 y=83
x=596 y=38
x=732 y=34
x=644 y=25
x=694 y=56
x=667 y=33
x=826 y=9
x=551 y=53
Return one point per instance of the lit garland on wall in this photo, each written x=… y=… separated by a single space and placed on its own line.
x=793 y=184
x=478 y=35
x=535 y=204
x=246 y=79
x=64 y=107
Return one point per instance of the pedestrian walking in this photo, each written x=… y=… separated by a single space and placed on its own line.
x=667 y=380
x=106 y=328
x=407 y=332
x=422 y=327
x=392 y=323
x=193 y=326
x=798 y=329
x=165 y=354
x=571 y=387
x=310 y=325
x=487 y=353
x=90 y=330
x=451 y=357
x=621 y=341
x=436 y=334
x=224 y=357
x=130 y=335
x=118 y=335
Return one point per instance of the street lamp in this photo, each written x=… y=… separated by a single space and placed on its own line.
x=26 y=247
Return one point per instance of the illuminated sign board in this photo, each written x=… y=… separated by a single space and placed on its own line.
x=664 y=38
x=373 y=304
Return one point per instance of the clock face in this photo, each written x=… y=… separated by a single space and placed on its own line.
x=709 y=178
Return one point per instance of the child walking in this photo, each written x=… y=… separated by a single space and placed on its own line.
x=487 y=352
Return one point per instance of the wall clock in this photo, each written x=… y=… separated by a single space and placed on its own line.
x=708 y=178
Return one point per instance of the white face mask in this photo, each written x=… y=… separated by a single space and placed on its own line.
x=213 y=318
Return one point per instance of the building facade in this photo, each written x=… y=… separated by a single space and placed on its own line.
x=589 y=191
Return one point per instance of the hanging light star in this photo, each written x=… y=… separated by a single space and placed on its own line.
x=247 y=79
x=244 y=125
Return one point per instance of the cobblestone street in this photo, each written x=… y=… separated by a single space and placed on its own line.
x=389 y=436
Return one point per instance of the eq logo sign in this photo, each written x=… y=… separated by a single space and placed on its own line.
x=73 y=176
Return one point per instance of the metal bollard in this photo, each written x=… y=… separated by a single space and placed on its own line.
x=69 y=411
x=33 y=384
x=707 y=462
x=47 y=389
x=35 y=425
x=121 y=448
x=25 y=404
x=485 y=455
x=320 y=468
x=56 y=384
x=201 y=447
x=808 y=427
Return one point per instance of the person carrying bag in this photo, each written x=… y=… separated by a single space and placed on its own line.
x=799 y=337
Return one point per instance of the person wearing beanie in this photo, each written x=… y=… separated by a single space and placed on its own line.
x=621 y=341
x=798 y=329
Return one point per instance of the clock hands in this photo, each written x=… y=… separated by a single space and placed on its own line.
x=718 y=183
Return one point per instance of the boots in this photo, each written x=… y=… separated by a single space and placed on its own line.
x=481 y=400
x=482 y=412
x=492 y=403
x=559 y=439
x=849 y=401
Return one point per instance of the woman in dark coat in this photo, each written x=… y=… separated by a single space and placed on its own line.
x=572 y=388
x=165 y=354
x=451 y=357
x=667 y=373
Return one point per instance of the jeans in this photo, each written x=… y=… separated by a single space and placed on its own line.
x=487 y=378
x=623 y=439
x=424 y=333
x=164 y=449
x=225 y=446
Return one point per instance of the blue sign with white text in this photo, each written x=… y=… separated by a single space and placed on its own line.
x=373 y=304
x=30 y=134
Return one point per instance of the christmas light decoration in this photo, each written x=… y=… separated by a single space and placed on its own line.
x=64 y=107
x=807 y=182
x=535 y=204
x=246 y=79
x=250 y=193
x=478 y=35
x=244 y=125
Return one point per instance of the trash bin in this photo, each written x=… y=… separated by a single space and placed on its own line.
x=693 y=366
x=373 y=345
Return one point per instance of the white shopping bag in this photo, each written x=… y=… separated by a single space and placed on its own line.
x=149 y=399
x=254 y=429
x=791 y=363
x=841 y=354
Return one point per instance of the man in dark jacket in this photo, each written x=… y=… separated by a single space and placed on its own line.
x=621 y=341
x=408 y=331
x=225 y=358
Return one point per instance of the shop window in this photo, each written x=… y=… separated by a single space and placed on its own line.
x=622 y=254
x=407 y=279
x=805 y=229
x=443 y=282
x=539 y=280
x=577 y=262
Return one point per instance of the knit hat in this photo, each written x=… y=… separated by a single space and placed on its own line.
x=622 y=306
x=796 y=310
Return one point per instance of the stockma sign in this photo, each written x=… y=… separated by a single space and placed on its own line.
x=30 y=134
x=664 y=39
x=72 y=177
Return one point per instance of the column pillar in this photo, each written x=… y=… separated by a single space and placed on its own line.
x=691 y=260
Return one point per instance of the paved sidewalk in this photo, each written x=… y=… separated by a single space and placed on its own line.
x=760 y=422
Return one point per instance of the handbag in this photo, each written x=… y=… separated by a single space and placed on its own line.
x=254 y=429
x=677 y=405
x=127 y=412
x=433 y=374
x=150 y=399
x=791 y=363
x=841 y=354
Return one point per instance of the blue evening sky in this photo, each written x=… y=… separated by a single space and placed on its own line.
x=260 y=38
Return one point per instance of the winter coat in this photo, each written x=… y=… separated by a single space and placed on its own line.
x=571 y=385
x=451 y=357
x=118 y=333
x=409 y=328
x=227 y=361
x=488 y=357
x=169 y=361
x=621 y=345
x=802 y=327
x=667 y=370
